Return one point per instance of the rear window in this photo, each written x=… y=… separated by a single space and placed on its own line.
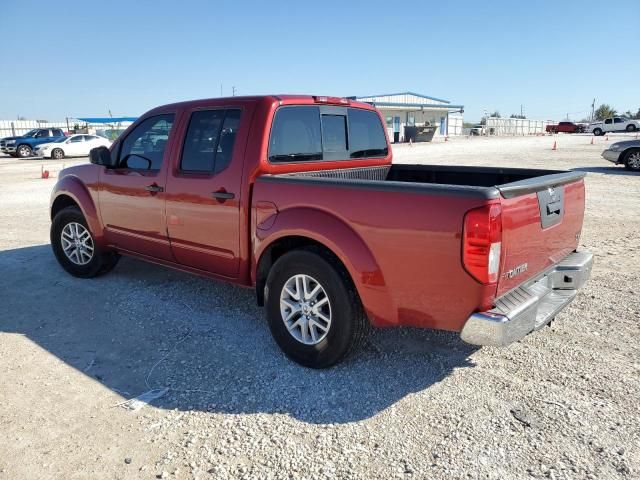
x=366 y=136
x=311 y=133
x=295 y=135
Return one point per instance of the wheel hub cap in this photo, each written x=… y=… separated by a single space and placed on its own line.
x=305 y=309
x=77 y=243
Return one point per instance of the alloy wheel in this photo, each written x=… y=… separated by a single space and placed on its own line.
x=77 y=243
x=634 y=161
x=305 y=309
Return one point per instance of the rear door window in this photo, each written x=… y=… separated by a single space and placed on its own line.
x=210 y=139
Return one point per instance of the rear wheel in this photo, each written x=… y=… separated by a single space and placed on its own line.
x=57 y=153
x=313 y=309
x=74 y=248
x=24 y=151
x=631 y=128
x=632 y=160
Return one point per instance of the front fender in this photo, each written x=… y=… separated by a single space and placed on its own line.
x=336 y=235
x=75 y=189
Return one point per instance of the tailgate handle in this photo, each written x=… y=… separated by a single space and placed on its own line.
x=554 y=208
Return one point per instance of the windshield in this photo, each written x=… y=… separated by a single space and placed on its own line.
x=31 y=133
x=60 y=140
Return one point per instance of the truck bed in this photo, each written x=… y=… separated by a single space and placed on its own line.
x=485 y=182
x=410 y=217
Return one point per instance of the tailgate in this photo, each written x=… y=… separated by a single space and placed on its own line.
x=541 y=224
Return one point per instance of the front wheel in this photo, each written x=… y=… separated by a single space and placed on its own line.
x=24 y=151
x=597 y=132
x=631 y=128
x=632 y=160
x=74 y=248
x=57 y=153
x=314 y=312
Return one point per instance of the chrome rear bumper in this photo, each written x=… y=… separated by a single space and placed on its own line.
x=530 y=306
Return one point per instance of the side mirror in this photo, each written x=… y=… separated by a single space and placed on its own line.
x=101 y=156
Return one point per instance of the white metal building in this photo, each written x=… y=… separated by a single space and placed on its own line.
x=411 y=109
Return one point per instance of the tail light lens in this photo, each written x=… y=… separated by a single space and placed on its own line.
x=481 y=243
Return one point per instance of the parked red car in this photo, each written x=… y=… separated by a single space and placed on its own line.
x=565 y=127
x=297 y=197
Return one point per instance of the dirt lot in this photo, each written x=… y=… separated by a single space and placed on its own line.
x=563 y=403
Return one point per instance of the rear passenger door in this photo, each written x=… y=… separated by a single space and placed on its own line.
x=203 y=195
x=619 y=123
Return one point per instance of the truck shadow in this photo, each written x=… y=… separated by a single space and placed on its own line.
x=207 y=341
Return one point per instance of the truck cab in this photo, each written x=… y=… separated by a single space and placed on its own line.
x=23 y=146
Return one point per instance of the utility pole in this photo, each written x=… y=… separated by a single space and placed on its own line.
x=233 y=91
x=521 y=110
x=220 y=89
x=593 y=107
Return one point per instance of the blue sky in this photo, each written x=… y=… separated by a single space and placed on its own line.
x=63 y=59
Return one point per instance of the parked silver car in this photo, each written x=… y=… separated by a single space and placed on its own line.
x=626 y=153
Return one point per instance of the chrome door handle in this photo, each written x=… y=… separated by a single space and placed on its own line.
x=154 y=188
x=223 y=195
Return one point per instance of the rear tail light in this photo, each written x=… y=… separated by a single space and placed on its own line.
x=481 y=243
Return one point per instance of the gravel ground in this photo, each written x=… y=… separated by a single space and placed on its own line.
x=563 y=403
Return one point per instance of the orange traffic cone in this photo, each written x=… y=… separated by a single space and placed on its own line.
x=555 y=145
x=606 y=139
x=591 y=140
x=44 y=173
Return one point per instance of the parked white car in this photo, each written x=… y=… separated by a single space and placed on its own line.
x=614 y=124
x=72 y=146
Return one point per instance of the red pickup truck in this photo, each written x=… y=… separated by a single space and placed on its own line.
x=297 y=197
x=564 y=127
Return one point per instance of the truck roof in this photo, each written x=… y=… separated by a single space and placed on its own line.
x=284 y=99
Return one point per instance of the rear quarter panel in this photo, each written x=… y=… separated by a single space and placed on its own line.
x=413 y=239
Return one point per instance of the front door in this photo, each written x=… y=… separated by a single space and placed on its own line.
x=132 y=199
x=203 y=192
x=74 y=146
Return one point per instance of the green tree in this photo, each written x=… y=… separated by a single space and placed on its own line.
x=605 y=111
x=517 y=115
x=495 y=114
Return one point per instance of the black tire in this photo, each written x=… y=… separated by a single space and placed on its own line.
x=632 y=160
x=349 y=324
x=597 y=132
x=631 y=128
x=101 y=262
x=24 y=151
x=57 y=153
